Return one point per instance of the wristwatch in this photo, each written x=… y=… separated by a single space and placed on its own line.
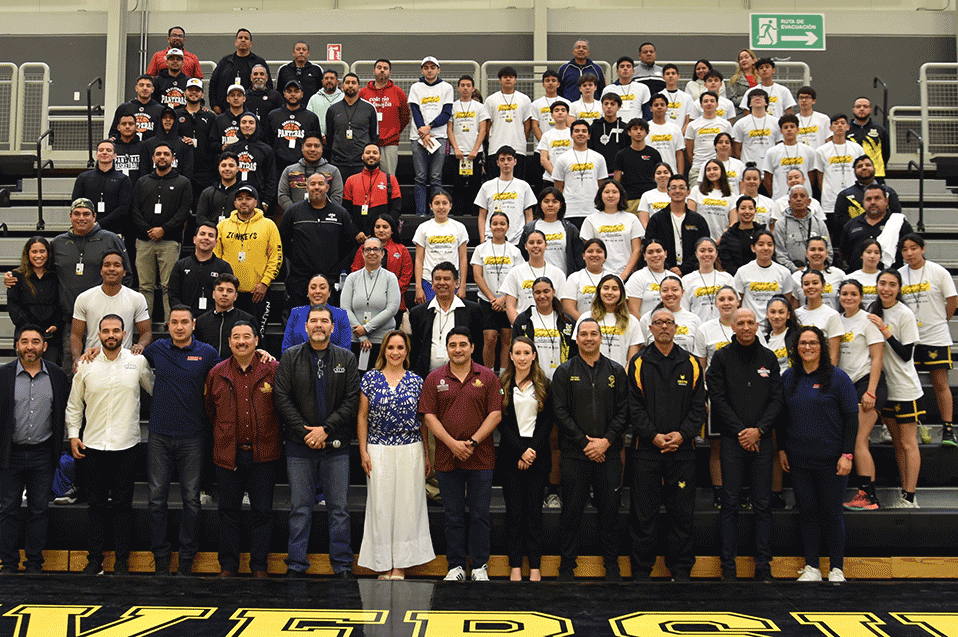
x=472 y=443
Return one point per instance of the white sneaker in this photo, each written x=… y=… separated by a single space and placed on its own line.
x=885 y=435
x=553 y=501
x=809 y=574
x=457 y=574
x=902 y=503
x=836 y=575
x=481 y=574
x=205 y=499
x=246 y=499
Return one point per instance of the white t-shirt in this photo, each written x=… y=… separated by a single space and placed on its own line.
x=764 y=209
x=710 y=337
x=615 y=340
x=496 y=262
x=666 y=138
x=869 y=286
x=823 y=317
x=686 y=326
x=813 y=130
x=93 y=304
x=733 y=171
x=580 y=172
x=465 y=123
x=833 y=278
x=555 y=142
x=901 y=376
x=757 y=284
x=634 y=96
x=725 y=109
x=756 y=135
x=781 y=158
x=617 y=231
x=440 y=242
x=518 y=283
x=431 y=100
x=582 y=286
x=512 y=197
x=548 y=340
x=542 y=111
x=507 y=114
x=835 y=164
x=589 y=112
x=700 y=292
x=644 y=285
x=703 y=131
x=715 y=208
x=442 y=322
x=858 y=333
x=680 y=104
x=777 y=344
x=925 y=291
x=556 y=243
x=779 y=99
x=654 y=200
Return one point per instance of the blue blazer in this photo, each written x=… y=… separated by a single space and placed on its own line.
x=296 y=328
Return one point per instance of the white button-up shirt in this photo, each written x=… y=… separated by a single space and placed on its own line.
x=108 y=394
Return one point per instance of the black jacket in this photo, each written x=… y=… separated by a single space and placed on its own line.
x=127 y=159
x=590 y=401
x=314 y=240
x=114 y=189
x=849 y=206
x=197 y=126
x=694 y=227
x=264 y=102
x=193 y=279
x=524 y=326
x=174 y=192
x=421 y=319
x=168 y=90
x=512 y=446
x=873 y=138
x=283 y=126
x=147 y=117
x=745 y=388
x=227 y=70
x=182 y=152
x=666 y=394
x=256 y=162
x=573 y=245
x=310 y=76
x=42 y=308
x=225 y=131
x=216 y=202
x=295 y=394
x=857 y=231
x=213 y=328
x=735 y=248
x=362 y=120
x=61 y=391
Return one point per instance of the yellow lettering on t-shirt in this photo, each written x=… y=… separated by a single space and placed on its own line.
x=431 y=99
x=661 y=138
x=763 y=286
x=582 y=167
x=840 y=159
x=617 y=227
x=792 y=161
x=915 y=288
x=442 y=239
x=501 y=196
x=760 y=132
x=507 y=107
x=708 y=290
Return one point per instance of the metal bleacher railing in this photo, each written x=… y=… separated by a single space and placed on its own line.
x=935 y=117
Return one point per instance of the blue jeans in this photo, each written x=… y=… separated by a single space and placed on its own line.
x=428 y=169
x=30 y=466
x=186 y=454
x=333 y=468
x=461 y=488
x=259 y=480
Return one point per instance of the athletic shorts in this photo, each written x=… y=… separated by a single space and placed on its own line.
x=929 y=357
x=881 y=392
x=492 y=320
x=903 y=412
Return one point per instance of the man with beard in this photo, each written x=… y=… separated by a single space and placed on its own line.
x=286 y=126
x=351 y=124
x=850 y=202
x=144 y=109
x=322 y=100
x=261 y=100
x=392 y=109
x=302 y=70
x=175 y=39
x=235 y=68
x=217 y=202
x=371 y=192
x=872 y=225
x=193 y=277
x=319 y=236
x=256 y=162
x=168 y=134
x=225 y=129
x=106 y=394
x=194 y=124
x=169 y=85
x=292 y=183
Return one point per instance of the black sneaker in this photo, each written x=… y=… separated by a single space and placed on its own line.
x=778 y=501
x=763 y=574
x=161 y=565
x=185 y=567
x=948 y=436
x=728 y=575
x=93 y=567
x=121 y=567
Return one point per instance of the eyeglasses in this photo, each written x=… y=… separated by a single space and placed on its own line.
x=663 y=322
x=372 y=250
x=810 y=345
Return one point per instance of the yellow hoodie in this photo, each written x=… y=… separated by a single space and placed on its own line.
x=252 y=248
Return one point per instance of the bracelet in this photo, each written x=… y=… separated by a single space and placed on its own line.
x=873 y=396
x=847 y=456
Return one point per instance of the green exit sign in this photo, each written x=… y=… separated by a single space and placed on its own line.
x=788 y=31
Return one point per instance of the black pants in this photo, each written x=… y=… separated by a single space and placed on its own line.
x=739 y=465
x=109 y=481
x=465 y=187
x=577 y=476
x=260 y=311
x=29 y=466
x=522 y=491
x=677 y=470
x=819 y=493
x=259 y=480
x=373 y=354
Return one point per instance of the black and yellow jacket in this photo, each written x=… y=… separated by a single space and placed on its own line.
x=666 y=394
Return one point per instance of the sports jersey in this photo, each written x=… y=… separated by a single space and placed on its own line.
x=581 y=286
x=733 y=171
x=680 y=104
x=823 y=317
x=835 y=164
x=858 y=333
x=496 y=262
x=617 y=231
x=833 y=278
x=901 y=376
x=666 y=138
x=555 y=142
x=758 y=284
x=869 y=286
x=686 y=326
x=519 y=280
x=725 y=109
x=542 y=111
x=616 y=340
x=756 y=135
x=511 y=197
x=654 y=200
x=715 y=207
x=590 y=111
x=439 y=242
x=701 y=290
x=925 y=291
x=710 y=337
x=635 y=96
x=465 y=123
x=814 y=129
x=781 y=158
x=702 y=131
x=779 y=99
x=644 y=285
x=507 y=114
x=580 y=171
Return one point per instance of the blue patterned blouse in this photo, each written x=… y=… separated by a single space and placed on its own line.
x=392 y=412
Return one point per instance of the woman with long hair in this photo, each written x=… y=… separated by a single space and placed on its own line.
x=744 y=78
x=391 y=448
x=816 y=313
x=658 y=198
x=778 y=335
x=549 y=327
x=549 y=218
x=816 y=441
x=733 y=165
x=748 y=185
x=491 y=262
x=523 y=452
x=643 y=286
x=686 y=323
x=620 y=230
x=579 y=289
x=816 y=258
x=868 y=274
x=713 y=199
x=696 y=85
x=735 y=249
x=35 y=297
x=702 y=285
x=518 y=283
x=759 y=280
x=621 y=332
x=861 y=358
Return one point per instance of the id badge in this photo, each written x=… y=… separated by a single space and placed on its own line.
x=465 y=167
x=365 y=210
x=195 y=142
x=157 y=208
x=379 y=116
x=201 y=303
x=222 y=218
x=367 y=317
x=243 y=176
x=292 y=143
x=100 y=207
x=79 y=269
x=241 y=257
x=349 y=133
x=363 y=362
x=237 y=80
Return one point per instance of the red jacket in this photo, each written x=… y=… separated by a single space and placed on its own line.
x=221 y=406
x=392 y=104
x=398 y=262
x=191 y=64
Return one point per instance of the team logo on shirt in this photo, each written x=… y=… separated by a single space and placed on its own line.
x=507 y=107
x=611 y=380
x=616 y=227
x=194 y=358
x=763 y=372
x=527 y=284
x=682 y=329
x=246 y=162
x=266 y=388
x=661 y=138
x=840 y=159
x=442 y=386
x=715 y=130
x=792 y=161
x=431 y=99
x=714 y=202
x=682 y=382
x=760 y=132
x=143 y=121
x=848 y=337
x=709 y=290
x=477 y=383
x=497 y=260
x=915 y=288
x=611 y=330
x=763 y=286
x=555 y=236
x=545 y=333
x=654 y=287
x=465 y=114
x=588 y=289
x=339 y=369
x=807 y=130
x=870 y=289
x=502 y=196
x=442 y=239
x=290 y=130
x=561 y=143
x=583 y=166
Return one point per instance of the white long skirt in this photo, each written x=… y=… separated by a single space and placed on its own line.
x=396 y=531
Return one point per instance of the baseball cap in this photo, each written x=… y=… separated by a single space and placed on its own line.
x=250 y=190
x=82 y=202
x=293 y=83
x=235 y=87
x=173 y=52
x=429 y=58
x=194 y=82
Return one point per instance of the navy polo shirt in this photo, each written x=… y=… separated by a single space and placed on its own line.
x=177 y=408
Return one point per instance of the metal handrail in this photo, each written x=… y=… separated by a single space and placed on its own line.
x=921 y=176
x=884 y=108
x=40 y=166
x=89 y=116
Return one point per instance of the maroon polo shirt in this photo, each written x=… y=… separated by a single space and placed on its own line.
x=462 y=407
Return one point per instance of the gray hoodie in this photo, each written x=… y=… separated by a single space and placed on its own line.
x=791 y=236
x=292 y=183
x=71 y=250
